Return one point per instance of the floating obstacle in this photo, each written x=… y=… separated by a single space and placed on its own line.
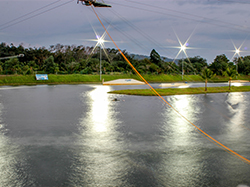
x=123 y=82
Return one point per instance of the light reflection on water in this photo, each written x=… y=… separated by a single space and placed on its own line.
x=182 y=160
x=236 y=107
x=136 y=141
x=236 y=84
x=11 y=162
x=181 y=129
x=99 y=143
x=237 y=129
x=100 y=115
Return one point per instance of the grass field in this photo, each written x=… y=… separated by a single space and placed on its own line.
x=85 y=79
x=181 y=91
x=16 y=80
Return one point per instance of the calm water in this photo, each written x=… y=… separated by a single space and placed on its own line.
x=75 y=135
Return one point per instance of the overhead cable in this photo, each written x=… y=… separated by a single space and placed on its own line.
x=216 y=142
x=185 y=16
x=22 y=20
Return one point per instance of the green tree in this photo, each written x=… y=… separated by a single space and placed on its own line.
x=86 y=70
x=207 y=74
x=11 y=66
x=243 y=64
x=198 y=63
x=154 y=68
x=192 y=65
x=50 y=65
x=230 y=73
x=1 y=69
x=219 y=65
x=72 y=67
x=155 y=58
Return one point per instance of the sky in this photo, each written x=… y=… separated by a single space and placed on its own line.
x=208 y=27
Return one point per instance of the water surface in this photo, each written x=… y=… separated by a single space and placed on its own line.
x=76 y=135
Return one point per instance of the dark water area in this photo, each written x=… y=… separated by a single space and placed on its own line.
x=77 y=135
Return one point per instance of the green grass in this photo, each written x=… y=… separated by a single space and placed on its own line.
x=181 y=91
x=85 y=79
x=58 y=79
x=53 y=79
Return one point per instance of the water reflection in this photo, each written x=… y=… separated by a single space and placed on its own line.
x=236 y=84
x=236 y=106
x=99 y=114
x=193 y=161
x=183 y=163
x=11 y=162
x=181 y=129
x=100 y=161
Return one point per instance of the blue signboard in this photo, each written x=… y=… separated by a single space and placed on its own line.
x=41 y=77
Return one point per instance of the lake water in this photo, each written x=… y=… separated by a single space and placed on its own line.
x=76 y=135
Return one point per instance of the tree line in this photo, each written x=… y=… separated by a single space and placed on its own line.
x=66 y=59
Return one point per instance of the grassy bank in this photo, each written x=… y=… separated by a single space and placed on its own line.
x=53 y=79
x=58 y=79
x=181 y=91
x=85 y=79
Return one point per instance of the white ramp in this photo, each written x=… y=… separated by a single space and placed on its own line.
x=172 y=84
x=124 y=82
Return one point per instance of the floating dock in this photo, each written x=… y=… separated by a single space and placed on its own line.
x=124 y=82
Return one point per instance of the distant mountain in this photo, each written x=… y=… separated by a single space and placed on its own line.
x=141 y=57
x=166 y=59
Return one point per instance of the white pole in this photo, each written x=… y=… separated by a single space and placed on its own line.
x=100 y=63
x=182 y=65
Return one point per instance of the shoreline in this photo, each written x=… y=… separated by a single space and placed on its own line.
x=182 y=91
x=16 y=80
x=76 y=79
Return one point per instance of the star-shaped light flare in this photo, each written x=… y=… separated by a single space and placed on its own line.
x=182 y=47
x=236 y=51
x=100 y=41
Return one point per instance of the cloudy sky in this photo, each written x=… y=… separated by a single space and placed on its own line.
x=210 y=27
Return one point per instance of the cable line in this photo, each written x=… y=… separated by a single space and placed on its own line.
x=222 y=146
x=144 y=34
x=184 y=13
x=239 y=2
x=35 y=15
x=133 y=39
x=170 y=64
x=28 y=13
x=203 y=20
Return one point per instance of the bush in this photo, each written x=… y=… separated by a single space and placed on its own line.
x=87 y=70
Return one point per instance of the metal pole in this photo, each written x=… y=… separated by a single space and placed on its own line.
x=100 y=63
x=182 y=66
x=237 y=69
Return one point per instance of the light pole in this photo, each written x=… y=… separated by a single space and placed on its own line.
x=100 y=63
x=183 y=48
x=182 y=72
x=236 y=52
x=100 y=42
x=236 y=63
